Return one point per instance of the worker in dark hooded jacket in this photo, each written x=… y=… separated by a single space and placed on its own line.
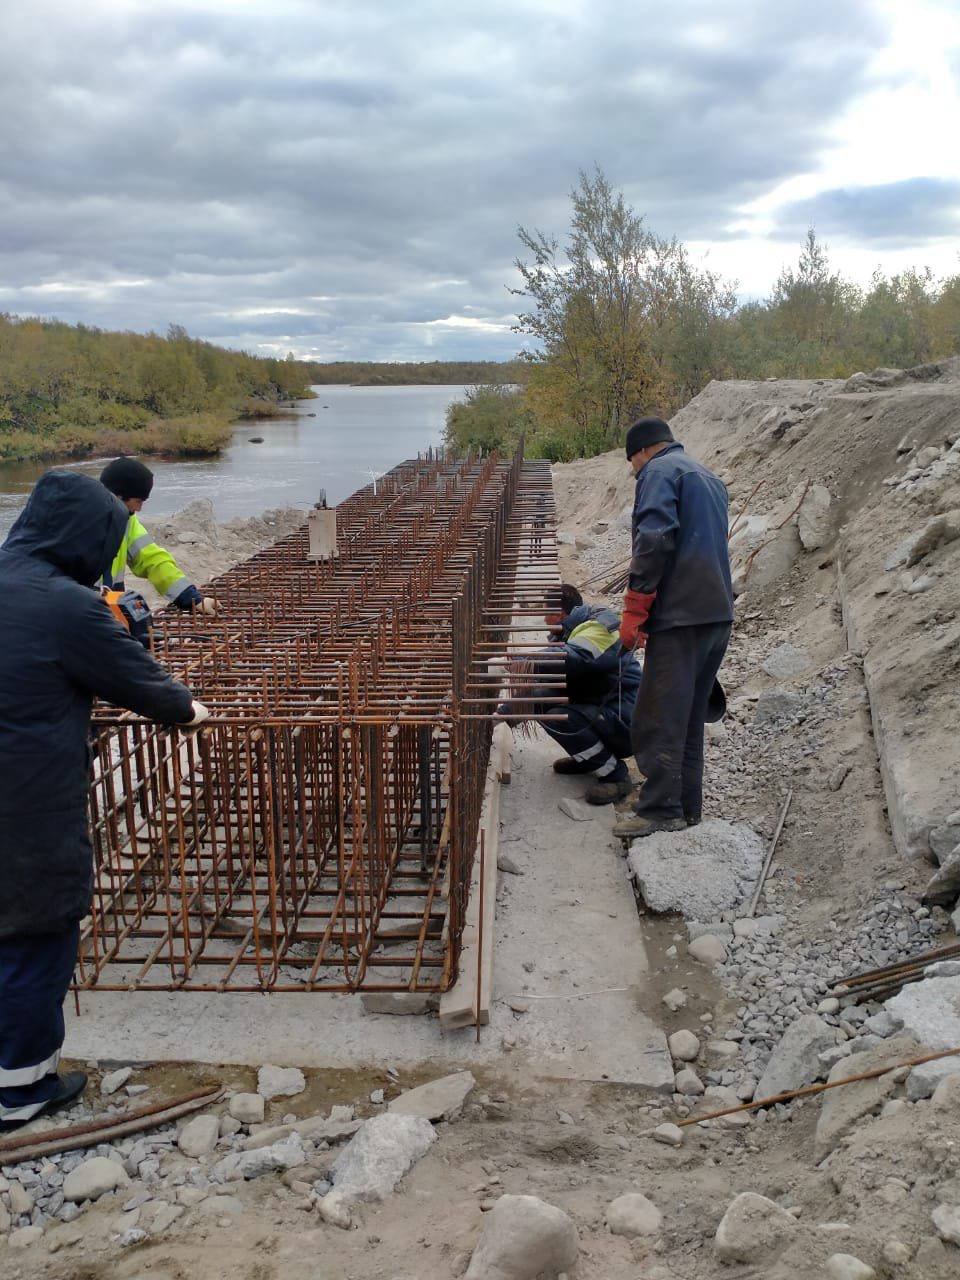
x=679 y=607
x=60 y=647
x=600 y=680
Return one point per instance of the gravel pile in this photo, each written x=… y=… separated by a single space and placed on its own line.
x=43 y=1180
x=204 y=1161
x=783 y=975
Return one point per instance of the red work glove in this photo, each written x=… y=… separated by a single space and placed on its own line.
x=636 y=611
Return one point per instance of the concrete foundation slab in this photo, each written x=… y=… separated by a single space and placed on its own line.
x=568 y=941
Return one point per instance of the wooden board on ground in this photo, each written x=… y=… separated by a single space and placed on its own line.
x=458 y=1006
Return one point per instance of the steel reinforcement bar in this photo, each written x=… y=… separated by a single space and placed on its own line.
x=318 y=832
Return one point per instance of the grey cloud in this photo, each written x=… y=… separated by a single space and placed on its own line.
x=893 y=215
x=238 y=158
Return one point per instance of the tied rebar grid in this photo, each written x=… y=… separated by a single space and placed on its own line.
x=319 y=831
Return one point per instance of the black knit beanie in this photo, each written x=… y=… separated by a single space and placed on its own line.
x=645 y=432
x=127 y=478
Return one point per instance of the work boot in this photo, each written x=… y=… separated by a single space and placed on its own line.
x=692 y=819
x=629 y=803
x=69 y=1088
x=567 y=764
x=614 y=786
x=608 y=791
x=636 y=826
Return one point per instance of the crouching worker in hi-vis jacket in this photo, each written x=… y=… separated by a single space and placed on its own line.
x=60 y=647
x=132 y=482
x=600 y=680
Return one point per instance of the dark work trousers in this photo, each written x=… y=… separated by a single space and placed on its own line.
x=680 y=666
x=35 y=973
x=594 y=736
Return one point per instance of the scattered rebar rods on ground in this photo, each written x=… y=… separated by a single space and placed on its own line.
x=318 y=833
x=809 y=1090
x=877 y=984
x=784 y=808
x=34 y=1146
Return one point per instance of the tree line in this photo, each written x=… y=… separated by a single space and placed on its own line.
x=67 y=390
x=371 y=373
x=622 y=321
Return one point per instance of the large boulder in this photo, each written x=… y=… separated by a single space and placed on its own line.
x=929 y=1012
x=524 y=1237
x=944 y=887
x=248 y=1108
x=843 y=1108
x=700 y=872
x=945 y=837
x=633 y=1215
x=379 y=1154
x=754 y=1230
x=684 y=1046
x=289 y=1153
x=708 y=949
x=946 y=1218
x=774 y=560
x=935 y=533
x=280 y=1082
x=795 y=1061
x=813 y=520
x=441 y=1099
x=94 y=1178
x=199 y=1136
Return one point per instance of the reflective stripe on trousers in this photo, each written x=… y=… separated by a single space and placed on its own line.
x=35 y=973
x=591 y=735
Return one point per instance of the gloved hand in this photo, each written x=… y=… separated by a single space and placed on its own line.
x=200 y=713
x=189 y=599
x=208 y=606
x=636 y=611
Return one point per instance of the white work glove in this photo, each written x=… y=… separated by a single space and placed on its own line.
x=200 y=713
x=208 y=606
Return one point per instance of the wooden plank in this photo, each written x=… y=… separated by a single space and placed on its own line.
x=458 y=1006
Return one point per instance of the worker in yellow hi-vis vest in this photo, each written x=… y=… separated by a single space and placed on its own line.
x=132 y=483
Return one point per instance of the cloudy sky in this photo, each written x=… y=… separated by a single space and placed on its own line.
x=345 y=179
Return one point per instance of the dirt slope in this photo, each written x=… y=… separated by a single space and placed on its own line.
x=870 y=462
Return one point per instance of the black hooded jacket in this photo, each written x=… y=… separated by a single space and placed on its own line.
x=60 y=647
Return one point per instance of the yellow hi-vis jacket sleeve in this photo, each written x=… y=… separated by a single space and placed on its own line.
x=140 y=553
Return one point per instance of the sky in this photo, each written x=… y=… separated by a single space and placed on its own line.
x=345 y=180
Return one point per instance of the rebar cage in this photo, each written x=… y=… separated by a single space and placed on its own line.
x=318 y=833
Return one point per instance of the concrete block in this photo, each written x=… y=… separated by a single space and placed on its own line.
x=700 y=872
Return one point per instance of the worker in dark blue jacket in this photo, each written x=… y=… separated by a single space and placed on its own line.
x=600 y=681
x=679 y=606
x=60 y=647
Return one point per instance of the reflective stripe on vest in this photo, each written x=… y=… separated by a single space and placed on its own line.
x=593 y=637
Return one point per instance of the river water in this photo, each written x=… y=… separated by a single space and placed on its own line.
x=329 y=443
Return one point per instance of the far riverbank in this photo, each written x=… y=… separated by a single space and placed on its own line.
x=329 y=442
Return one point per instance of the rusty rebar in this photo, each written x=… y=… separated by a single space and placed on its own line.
x=332 y=801
x=92 y=1132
